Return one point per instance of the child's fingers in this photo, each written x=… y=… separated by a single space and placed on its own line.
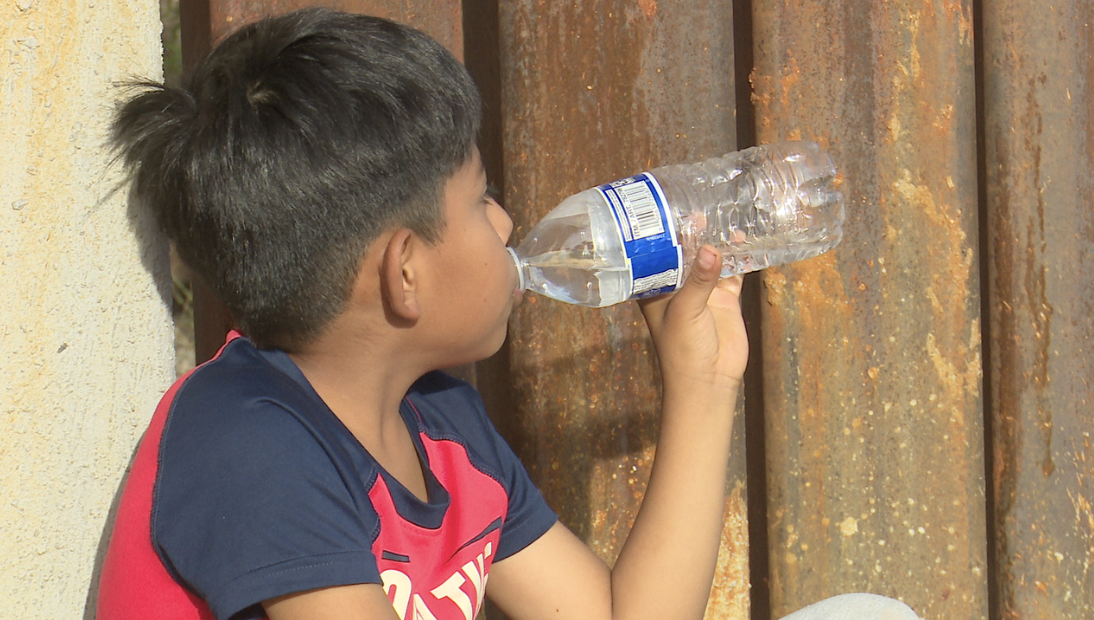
x=702 y=279
x=690 y=300
x=731 y=285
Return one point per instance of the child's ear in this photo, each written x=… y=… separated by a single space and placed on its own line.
x=399 y=280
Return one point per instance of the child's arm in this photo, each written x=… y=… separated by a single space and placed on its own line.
x=666 y=566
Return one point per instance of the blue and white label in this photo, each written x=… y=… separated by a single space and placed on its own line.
x=648 y=235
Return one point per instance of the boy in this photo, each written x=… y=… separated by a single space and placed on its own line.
x=319 y=173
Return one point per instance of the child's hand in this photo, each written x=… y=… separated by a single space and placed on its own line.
x=698 y=331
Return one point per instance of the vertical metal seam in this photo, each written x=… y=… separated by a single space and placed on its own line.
x=986 y=351
x=754 y=424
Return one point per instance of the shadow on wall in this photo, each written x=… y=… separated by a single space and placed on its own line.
x=153 y=249
x=155 y=258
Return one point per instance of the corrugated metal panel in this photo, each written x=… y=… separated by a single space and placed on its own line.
x=872 y=353
x=440 y=19
x=1039 y=152
x=594 y=91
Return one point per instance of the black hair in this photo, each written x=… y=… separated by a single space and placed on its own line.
x=288 y=149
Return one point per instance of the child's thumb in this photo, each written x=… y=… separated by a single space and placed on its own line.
x=705 y=271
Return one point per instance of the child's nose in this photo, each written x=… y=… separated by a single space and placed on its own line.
x=503 y=224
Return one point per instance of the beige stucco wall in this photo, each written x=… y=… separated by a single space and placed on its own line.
x=85 y=337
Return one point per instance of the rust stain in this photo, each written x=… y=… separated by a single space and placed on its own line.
x=948 y=291
x=960 y=12
x=1039 y=309
x=649 y=7
x=791 y=75
x=1038 y=161
x=441 y=20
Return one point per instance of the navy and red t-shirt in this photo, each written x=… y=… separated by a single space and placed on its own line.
x=247 y=487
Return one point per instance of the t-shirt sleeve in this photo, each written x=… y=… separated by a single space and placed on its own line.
x=249 y=505
x=529 y=515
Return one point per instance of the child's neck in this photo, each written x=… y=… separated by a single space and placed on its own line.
x=364 y=383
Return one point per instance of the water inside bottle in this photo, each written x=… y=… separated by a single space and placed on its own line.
x=577 y=276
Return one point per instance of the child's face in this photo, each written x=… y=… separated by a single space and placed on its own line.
x=474 y=284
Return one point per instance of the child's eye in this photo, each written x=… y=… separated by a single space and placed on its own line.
x=492 y=193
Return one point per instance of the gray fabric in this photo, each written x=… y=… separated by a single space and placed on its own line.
x=855 y=607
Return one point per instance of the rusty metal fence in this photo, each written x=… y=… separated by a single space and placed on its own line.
x=919 y=410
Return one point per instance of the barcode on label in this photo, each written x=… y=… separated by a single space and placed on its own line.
x=641 y=209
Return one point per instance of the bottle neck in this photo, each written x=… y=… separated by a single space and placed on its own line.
x=518 y=263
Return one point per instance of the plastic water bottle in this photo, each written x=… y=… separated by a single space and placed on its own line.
x=763 y=206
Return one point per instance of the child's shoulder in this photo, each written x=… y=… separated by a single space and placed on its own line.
x=246 y=403
x=239 y=374
x=438 y=396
